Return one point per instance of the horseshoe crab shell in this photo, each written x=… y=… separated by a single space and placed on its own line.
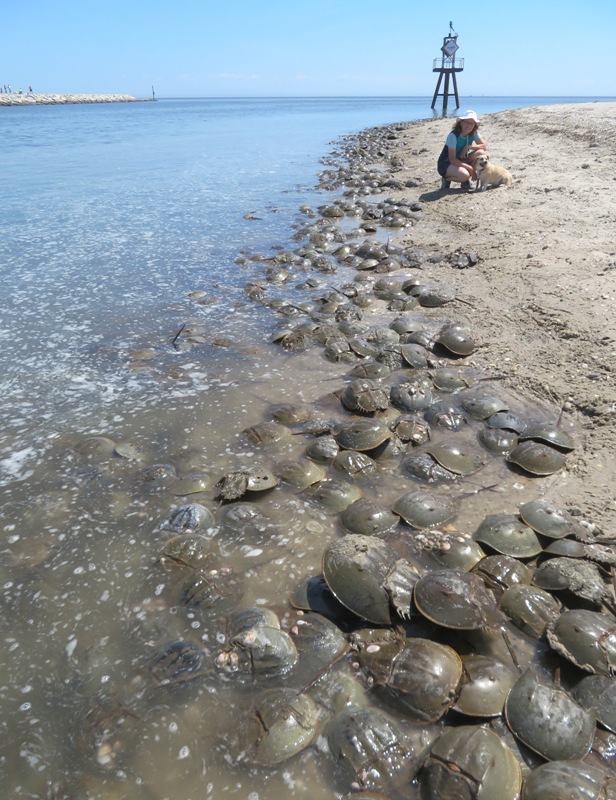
x=586 y=638
x=411 y=396
x=421 y=509
x=555 y=780
x=548 y=720
x=536 y=458
x=455 y=457
x=453 y=598
x=530 y=609
x=188 y=518
x=483 y=406
x=581 y=578
x=364 y=395
x=487 y=684
x=456 y=341
x=332 y=495
x=283 y=722
x=415 y=355
x=546 y=519
x=362 y=434
x=505 y=533
x=268 y=434
x=549 y=434
x=470 y=761
x=446 y=379
x=300 y=474
x=597 y=692
x=497 y=440
x=245 y=479
x=366 y=575
x=369 y=518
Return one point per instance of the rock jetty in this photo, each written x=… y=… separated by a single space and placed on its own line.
x=30 y=99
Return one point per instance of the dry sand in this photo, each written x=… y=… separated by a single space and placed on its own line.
x=544 y=288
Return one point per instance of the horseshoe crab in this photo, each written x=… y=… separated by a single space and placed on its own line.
x=411 y=396
x=245 y=479
x=456 y=599
x=557 y=780
x=176 y=661
x=507 y=420
x=204 y=590
x=530 y=609
x=365 y=396
x=417 y=675
x=507 y=534
x=366 y=575
x=362 y=434
x=426 y=468
x=548 y=434
x=421 y=509
x=268 y=434
x=548 y=720
x=500 y=572
x=332 y=495
x=546 y=519
x=415 y=355
x=586 y=638
x=372 y=748
x=324 y=449
x=536 y=458
x=410 y=429
x=483 y=406
x=446 y=379
x=484 y=690
x=187 y=550
x=455 y=340
x=353 y=464
x=372 y=370
x=470 y=762
x=256 y=645
x=368 y=518
x=497 y=440
x=598 y=693
x=443 y=414
x=282 y=723
x=455 y=457
x=300 y=474
x=581 y=578
x=188 y=518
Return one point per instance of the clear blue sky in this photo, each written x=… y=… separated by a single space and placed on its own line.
x=236 y=48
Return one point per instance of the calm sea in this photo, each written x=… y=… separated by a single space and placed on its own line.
x=126 y=341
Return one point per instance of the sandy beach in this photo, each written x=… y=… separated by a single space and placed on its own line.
x=543 y=290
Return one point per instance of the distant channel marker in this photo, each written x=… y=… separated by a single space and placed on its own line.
x=32 y=99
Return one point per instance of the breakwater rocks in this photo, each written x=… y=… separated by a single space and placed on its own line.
x=65 y=99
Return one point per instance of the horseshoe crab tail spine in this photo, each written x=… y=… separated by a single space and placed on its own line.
x=511 y=649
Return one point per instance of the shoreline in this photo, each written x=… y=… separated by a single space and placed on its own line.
x=543 y=289
x=66 y=99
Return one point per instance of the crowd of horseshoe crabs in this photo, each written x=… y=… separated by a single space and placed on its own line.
x=420 y=657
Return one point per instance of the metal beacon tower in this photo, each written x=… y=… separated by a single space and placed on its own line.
x=447 y=66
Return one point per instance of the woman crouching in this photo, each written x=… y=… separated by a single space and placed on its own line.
x=462 y=148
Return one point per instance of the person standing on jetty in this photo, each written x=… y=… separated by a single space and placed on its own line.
x=462 y=147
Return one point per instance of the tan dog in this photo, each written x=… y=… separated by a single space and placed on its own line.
x=490 y=175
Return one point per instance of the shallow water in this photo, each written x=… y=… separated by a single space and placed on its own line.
x=112 y=217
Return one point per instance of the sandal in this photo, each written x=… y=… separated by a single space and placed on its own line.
x=445 y=184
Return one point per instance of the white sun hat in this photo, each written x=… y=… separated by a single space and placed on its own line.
x=470 y=115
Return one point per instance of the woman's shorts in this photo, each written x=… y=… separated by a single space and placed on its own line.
x=443 y=162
